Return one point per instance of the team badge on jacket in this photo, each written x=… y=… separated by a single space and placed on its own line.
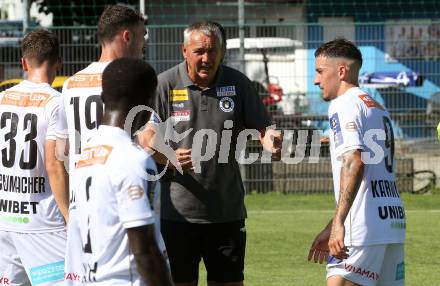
x=226 y=104
x=226 y=91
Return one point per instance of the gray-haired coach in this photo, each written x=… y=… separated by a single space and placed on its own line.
x=202 y=210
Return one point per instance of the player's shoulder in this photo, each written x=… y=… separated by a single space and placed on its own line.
x=53 y=94
x=116 y=159
x=366 y=102
x=53 y=101
x=89 y=77
x=129 y=160
x=85 y=70
x=352 y=99
x=31 y=94
x=26 y=86
x=94 y=67
x=125 y=152
x=139 y=156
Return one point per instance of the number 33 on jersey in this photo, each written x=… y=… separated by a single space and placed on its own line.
x=28 y=117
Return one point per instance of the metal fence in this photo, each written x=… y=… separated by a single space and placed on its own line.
x=414 y=106
x=417 y=161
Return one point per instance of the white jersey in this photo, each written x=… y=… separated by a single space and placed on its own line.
x=28 y=116
x=81 y=108
x=81 y=112
x=377 y=215
x=112 y=195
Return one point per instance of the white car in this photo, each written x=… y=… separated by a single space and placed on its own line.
x=270 y=62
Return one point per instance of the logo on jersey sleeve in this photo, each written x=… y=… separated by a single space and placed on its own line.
x=179 y=95
x=351 y=126
x=226 y=91
x=135 y=192
x=226 y=104
x=85 y=80
x=94 y=155
x=336 y=128
x=24 y=99
x=369 y=102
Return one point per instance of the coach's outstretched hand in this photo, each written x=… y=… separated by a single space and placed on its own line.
x=272 y=141
x=319 y=250
x=185 y=159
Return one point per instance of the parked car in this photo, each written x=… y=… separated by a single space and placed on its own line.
x=269 y=63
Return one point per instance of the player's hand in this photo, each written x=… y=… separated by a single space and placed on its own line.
x=184 y=158
x=277 y=146
x=319 y=250
x=336 y=241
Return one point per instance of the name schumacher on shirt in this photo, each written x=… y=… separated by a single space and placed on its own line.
x=22 y=185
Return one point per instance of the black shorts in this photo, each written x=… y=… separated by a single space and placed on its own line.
x=221 y=245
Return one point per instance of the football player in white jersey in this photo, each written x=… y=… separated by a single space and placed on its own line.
x=365 y=238
x=121 y=33
x=115 y=219
x=33 y=183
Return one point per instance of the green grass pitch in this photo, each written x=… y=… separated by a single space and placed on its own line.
x=280 y=229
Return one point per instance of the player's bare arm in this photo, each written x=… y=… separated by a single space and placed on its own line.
x=351 y=176
x=150 y=262
x=62 y=149
x=58 y=178
x=319 y=250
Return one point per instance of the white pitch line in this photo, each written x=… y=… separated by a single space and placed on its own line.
x=325 y=211
x=290 y=211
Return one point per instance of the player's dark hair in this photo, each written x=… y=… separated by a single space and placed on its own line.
x=128 y=82
x=340 y=48
x=114 y=18
x=39 y=46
